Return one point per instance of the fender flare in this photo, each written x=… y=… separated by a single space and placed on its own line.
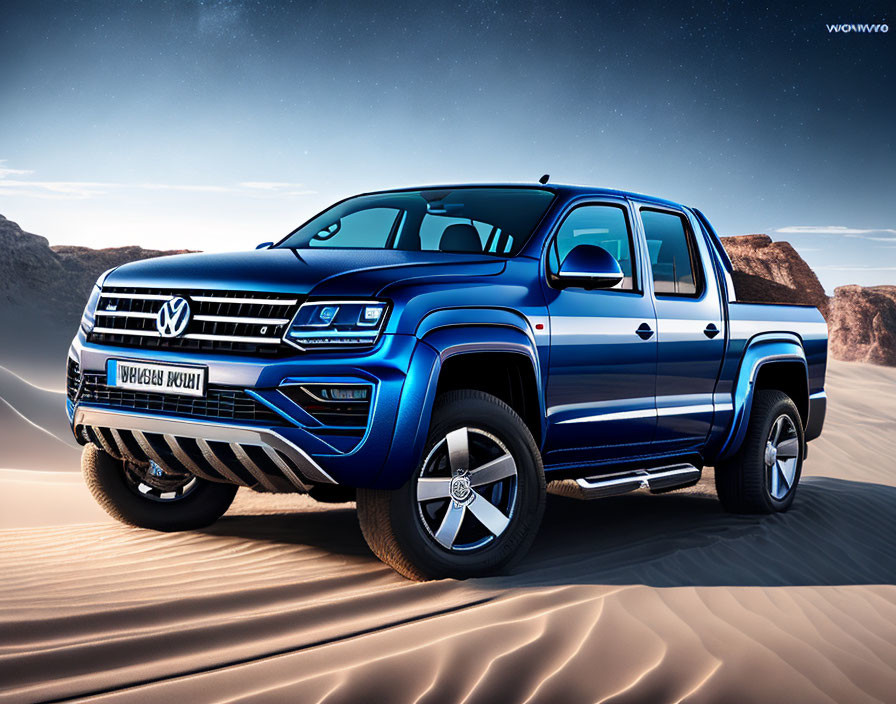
x=766 y=348
x=444 y=334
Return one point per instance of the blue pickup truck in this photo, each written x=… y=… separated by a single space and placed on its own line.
x=444 y=356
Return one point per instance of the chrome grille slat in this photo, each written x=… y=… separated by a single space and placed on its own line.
x=216 y=462
x=253 y=468
x=242 y=322
x=181 y=456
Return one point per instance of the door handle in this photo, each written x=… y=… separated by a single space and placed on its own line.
x=644 y=331
x=711 y=330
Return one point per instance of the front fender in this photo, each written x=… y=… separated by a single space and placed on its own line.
x=442 y=335
x=761 y=350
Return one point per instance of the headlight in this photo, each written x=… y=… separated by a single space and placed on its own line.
x=338 y=323
x=88 y=317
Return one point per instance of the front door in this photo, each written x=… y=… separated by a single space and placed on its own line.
x=600 y=390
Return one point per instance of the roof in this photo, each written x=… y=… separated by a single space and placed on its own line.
x=566 y=190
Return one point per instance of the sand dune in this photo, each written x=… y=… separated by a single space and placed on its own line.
x=636 y=598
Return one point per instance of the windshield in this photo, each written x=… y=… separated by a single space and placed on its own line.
x=468 y=220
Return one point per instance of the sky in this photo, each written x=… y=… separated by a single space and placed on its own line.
x=219 y=124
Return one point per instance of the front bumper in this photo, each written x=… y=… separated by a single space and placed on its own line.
x=289 y=454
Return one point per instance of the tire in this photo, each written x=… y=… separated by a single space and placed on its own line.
x=114 y=490
x=748 y=482
x=409 y=535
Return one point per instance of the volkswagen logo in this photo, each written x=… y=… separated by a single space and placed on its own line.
x=173 y=317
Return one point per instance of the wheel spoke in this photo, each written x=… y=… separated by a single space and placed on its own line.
x=776 y=430
x=458 y=450
x=773 y=471
x=782 y=482
x=428 y=488
x=450 y=525
x=488 y=514
x=788 y=471
x=493 y=471
x=789 y=448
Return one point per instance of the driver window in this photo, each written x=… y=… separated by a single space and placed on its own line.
x=602 y=225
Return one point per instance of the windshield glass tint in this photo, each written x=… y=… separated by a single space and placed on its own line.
x=469 y=220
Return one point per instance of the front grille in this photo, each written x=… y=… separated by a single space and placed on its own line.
x=237 y=322
x=219 y=402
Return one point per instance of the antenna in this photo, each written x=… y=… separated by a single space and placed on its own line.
x=544 y=179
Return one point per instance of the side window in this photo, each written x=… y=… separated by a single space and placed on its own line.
x=602 y=225
x=358 y=229
x=672 y=256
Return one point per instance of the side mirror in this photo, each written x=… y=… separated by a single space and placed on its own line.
x=589 y=266
x=264 y=245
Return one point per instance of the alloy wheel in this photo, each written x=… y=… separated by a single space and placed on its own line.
x=781 y=456
x=467 y=490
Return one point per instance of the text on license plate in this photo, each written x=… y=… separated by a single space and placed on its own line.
x=166 y=378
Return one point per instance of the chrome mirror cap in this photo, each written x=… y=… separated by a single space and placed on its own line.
x=589 y=266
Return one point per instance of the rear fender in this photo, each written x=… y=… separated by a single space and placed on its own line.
x=761 y=350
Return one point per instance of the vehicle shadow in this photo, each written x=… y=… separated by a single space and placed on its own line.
x=837 y=532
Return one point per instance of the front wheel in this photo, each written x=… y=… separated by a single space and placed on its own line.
x=474 y=504
x=763 y=475
x=151 y=497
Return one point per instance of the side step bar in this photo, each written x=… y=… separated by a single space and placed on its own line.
x=656 y=480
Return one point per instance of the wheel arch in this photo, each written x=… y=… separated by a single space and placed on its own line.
x=770 y=361
x=489 y=350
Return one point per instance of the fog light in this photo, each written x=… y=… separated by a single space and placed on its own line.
x=345 y=393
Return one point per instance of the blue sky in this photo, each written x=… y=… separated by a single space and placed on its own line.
x=218 y=124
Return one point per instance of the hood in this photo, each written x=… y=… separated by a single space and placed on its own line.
x=349 y=271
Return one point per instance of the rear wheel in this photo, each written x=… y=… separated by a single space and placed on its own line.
x=474 y=504
x=148 y=496
x=762 y=477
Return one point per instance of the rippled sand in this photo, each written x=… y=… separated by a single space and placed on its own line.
x=638 y=598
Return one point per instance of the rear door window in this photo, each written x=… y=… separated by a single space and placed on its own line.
x=672 y=252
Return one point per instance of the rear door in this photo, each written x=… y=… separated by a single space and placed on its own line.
x=690 y=328
x=600 y=390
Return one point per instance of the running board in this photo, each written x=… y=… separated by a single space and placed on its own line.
x=656 y=480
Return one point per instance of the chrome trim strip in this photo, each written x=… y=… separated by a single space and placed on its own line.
x=649 y=413
x=620 y=415
x=140 y=296
x=681 y=410
x=127 y=331
x=225 y=338
x=204 y=430
x=125 y=314
x=257 y=301
x=818 y=395
x=238 y=319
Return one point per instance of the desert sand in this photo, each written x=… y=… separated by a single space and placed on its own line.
x=637 y=598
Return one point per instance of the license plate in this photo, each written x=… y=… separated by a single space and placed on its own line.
x=164 y=378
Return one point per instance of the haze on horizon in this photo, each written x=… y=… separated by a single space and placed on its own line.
x=217 y=124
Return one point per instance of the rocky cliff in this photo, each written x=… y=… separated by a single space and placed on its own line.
x=55 y=280
x=861 y=321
